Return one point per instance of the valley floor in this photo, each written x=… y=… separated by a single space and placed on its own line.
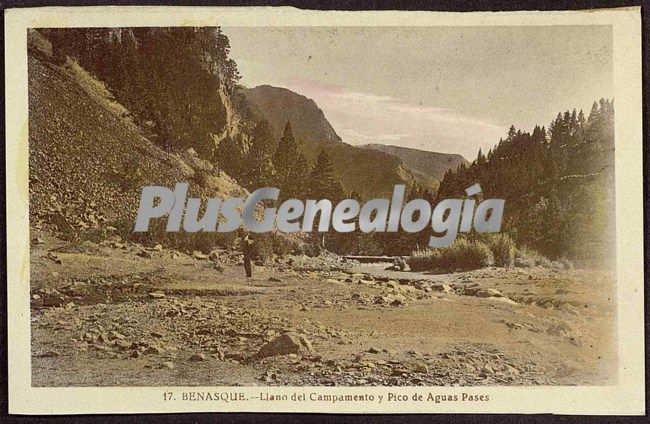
x=116 y=314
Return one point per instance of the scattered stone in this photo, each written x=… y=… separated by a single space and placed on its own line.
x=487 y=369
x=122 y=344
x=421 y=368
x=76 y=289
x=504 y=300
x=145 y=254
x=511 y=370
x=491 y=293
x=114 y=335
x=440 y=287
x=274 y=280
x=154 y=350
x=51 y=298
x=170 y=365
x=199 y=255
x=157 y=295
x=393 y=284
x=284 y=345
x=382 y=300
x=198 y=357
x=48 y=354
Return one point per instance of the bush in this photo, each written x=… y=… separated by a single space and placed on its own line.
x=424 y=260
x=526 y=258
x=284 y=245
x=262 y=247
x=566 y=263
x=462 y=254
x=544 y=262
x=502 y=248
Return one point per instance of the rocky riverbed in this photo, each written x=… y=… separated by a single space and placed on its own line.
x=117 y=313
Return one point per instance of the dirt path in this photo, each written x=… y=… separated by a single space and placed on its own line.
x=106 y=315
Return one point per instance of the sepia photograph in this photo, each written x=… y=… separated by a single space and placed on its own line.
x=332 y=206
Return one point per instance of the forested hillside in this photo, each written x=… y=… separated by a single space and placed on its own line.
x=558 y=184
x=181 y=87
x=177 y=82
x=369 y=173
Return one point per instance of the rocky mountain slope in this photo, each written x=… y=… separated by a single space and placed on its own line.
x=367 y=172
x=430 y=163
x=88 y=159
x=280 y=105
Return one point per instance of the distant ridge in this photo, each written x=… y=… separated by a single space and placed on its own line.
x=431 y=163
x=370 y=173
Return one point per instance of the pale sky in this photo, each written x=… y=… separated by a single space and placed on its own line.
x=445 y=89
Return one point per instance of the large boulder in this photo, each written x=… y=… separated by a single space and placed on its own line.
x=284 y=345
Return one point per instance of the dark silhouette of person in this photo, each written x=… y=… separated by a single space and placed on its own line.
x=247 y=248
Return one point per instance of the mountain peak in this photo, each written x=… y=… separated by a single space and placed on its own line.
x=280 y=105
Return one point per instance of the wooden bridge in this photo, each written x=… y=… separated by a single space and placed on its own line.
x=371 y=259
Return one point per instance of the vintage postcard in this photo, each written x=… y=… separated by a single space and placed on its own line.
x=269 y=209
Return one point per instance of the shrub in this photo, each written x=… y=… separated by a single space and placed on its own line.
x=561 y=263
x=262 y=247
x=502 y=248
x=466 y=254
x=526 y=258
x=312 y=249
x=544 y=262
x=423 y=260
x=284 y=245
x=462 y=254
x=566 y=263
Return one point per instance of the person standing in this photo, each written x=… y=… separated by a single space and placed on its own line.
x=247 y=247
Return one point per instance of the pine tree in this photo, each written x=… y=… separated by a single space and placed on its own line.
x=259 y=171
x=290 y=166
x=323 y=183
x=228 y=156
x=593 y=113
x=481 y=159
